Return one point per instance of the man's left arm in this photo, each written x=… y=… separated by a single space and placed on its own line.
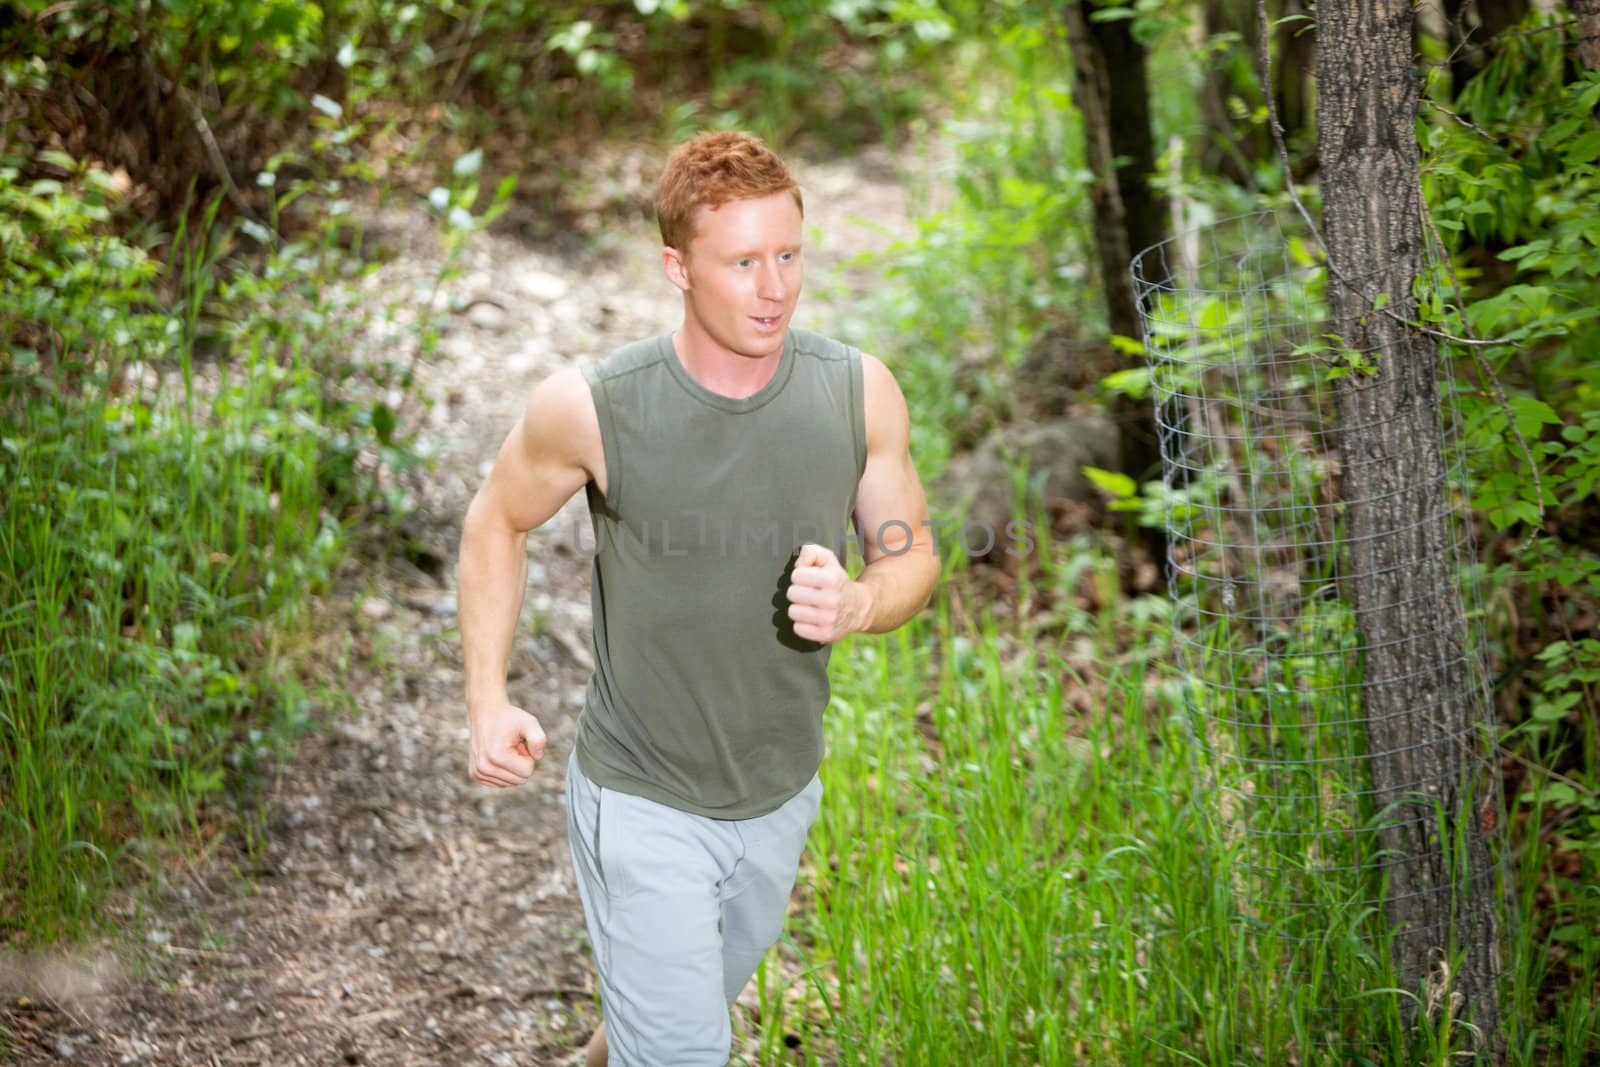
x=892 y=523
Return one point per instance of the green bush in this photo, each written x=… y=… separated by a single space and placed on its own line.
x=169 y=508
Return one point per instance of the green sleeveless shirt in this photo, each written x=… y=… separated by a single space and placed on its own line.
x=703 y=697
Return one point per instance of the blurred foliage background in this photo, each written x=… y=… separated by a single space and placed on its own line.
x=189 y=441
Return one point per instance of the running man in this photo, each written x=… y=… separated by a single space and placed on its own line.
x=723 y=464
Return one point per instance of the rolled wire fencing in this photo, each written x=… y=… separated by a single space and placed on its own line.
x=1242 y=371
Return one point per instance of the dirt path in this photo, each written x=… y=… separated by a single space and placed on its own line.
x=402 y=914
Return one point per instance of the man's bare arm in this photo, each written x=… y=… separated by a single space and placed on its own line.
x=891 y=510
x=892 y=522
x=549 y=455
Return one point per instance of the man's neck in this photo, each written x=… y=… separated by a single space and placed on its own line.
x=726 y=373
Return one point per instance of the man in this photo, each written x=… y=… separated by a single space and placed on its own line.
x=722 y=464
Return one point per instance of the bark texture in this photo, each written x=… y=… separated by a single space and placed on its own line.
x=1127 y=104
x=1424 y=713
x=1587 y=15
x=1112 y=94
x=1091 y=84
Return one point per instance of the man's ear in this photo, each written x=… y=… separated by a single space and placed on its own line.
x=676 y=266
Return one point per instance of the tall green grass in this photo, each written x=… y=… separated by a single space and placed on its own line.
x=1023 y=855
x=1020 y=861
x=179 y=456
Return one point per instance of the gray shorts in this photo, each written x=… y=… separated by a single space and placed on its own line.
x=680 y=910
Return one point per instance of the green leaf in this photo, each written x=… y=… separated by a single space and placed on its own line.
x=1128 y=346
x=1115 y=483
x=1532 y=414
x=1301 y=253
x=1213 y=315
x=1560 y=131
x=1528 y=251
x=1134 y=382
x=1546 y=711
x=383 y=421
x=1553 y=793
x=1555 y=652
x=1584 y=149
x=56 y=157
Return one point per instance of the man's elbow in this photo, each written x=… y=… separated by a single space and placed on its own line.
x=931 y=569
x=484 y=524
x=921 y=577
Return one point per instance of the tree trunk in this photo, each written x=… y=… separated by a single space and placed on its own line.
x=1092 y=93
x=1423 y=712
x=1587 y=31
x=1127 y=109
x=1109 y=87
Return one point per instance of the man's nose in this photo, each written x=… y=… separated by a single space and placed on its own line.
x=773 y=285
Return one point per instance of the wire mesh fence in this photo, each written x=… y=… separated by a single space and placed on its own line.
x=1303 y=774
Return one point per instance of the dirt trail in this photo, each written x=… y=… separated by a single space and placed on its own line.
x=402 y=914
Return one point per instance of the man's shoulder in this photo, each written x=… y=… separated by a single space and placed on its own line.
x=633 y=356
x=821 y=346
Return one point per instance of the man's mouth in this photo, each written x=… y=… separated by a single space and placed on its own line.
x=768 y=322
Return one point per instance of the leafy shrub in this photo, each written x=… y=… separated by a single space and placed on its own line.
x=169 y=509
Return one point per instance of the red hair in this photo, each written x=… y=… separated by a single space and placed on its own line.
x=712 y=169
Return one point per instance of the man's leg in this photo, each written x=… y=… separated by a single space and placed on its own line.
x=648 y=876
x=755 y=901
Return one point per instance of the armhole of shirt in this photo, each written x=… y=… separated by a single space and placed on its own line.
x=608 y=437
x=858 y=412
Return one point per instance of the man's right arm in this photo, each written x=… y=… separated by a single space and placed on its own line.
x=553 y=450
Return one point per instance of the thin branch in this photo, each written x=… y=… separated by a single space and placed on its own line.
x=1480 y=131
x=1536 y=30
x=1550 y=772
x=214 y=152
x=208 y=141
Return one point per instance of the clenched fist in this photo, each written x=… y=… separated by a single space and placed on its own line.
x=824 y=603
x=507 y=742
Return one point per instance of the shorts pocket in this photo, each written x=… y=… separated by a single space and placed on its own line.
x=606 y=840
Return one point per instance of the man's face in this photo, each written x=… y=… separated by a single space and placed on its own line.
x=742 y=272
